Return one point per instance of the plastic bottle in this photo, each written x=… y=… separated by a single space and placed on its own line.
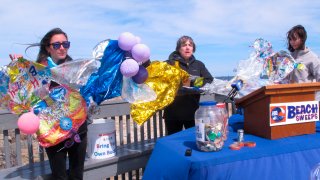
x=225 y=117
x=209 y=127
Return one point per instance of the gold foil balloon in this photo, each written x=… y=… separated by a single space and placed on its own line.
x=165 y=80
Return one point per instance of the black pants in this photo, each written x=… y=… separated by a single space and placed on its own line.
x=174 y=126
x=76 y=154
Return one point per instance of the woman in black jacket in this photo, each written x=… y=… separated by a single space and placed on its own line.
x=55 y=45
x=181 y=112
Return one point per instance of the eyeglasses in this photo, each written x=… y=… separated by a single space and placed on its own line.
x=74 y=138
x=57 y=45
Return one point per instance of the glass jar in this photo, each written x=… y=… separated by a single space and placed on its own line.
x=209 y=127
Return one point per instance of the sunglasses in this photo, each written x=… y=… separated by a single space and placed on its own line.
x=74 y=138
x=57 y=45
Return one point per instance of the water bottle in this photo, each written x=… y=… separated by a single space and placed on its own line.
x=209 y=127
x=225 y=117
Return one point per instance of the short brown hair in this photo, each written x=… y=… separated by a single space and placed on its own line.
x=184 y=39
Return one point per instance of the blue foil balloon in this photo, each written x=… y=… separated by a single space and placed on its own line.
x=107 y=82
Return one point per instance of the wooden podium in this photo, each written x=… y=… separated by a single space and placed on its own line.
x=257 y=114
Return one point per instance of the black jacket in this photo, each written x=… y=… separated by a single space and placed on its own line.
x=186 y=103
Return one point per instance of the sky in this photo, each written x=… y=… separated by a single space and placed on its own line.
x=222 y=30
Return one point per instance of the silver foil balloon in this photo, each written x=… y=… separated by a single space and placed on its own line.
x=98 y=50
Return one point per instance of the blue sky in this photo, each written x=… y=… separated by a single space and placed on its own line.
x=222 y=30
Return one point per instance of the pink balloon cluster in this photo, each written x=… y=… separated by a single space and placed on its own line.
x=140 y=54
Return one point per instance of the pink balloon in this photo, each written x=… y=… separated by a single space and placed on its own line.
x=129 y=67
x=28 y=123
x=141 y=76
x=140 y=52
x=126 y=41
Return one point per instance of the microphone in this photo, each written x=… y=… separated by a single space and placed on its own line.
x=236 y=86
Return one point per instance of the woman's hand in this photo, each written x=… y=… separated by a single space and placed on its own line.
x=15 y=56
x=186 y=82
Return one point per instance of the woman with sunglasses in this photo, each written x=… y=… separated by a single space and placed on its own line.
x=55 y=45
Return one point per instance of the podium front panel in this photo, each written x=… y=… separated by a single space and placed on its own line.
x=257 y=114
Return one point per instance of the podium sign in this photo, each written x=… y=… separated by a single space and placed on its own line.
x=293 y=112
x=258 y=109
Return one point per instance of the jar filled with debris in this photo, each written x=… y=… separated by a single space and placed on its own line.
x=209 y=127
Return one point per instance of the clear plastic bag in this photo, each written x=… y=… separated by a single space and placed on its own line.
x=136 y=93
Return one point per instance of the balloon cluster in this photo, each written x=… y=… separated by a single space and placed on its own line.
x=138 y=54
x=118 y=69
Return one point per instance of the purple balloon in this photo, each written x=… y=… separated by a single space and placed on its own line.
x=126 y=41
x=141 y=76
x=129 y=68
x=140 y=52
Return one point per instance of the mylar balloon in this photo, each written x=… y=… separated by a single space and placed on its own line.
x=165 y=80
x=106 y=82
x=26 y=78
x=65 y=113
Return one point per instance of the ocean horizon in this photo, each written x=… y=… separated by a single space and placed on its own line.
x=226 y=78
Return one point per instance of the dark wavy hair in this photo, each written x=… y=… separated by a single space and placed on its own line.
x=45 y=42
x=184 y=39
x=300 y=31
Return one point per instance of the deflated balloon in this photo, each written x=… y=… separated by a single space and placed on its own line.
x=165 y=80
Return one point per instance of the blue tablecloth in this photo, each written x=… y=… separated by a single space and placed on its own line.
x=286 y=158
